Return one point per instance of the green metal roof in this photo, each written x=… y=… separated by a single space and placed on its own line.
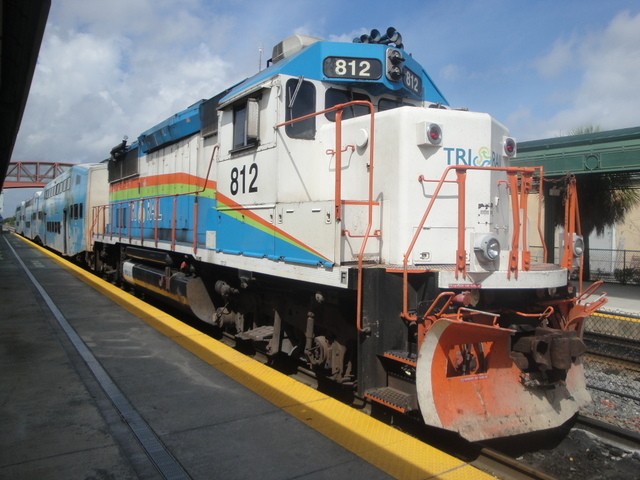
x=610 y=151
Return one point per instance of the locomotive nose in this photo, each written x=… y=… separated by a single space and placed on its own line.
x=504 y=392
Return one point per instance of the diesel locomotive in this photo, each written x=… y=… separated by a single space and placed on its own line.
x=334 y=209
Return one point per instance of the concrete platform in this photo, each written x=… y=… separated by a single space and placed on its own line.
x=621 y=298
x=61 y=419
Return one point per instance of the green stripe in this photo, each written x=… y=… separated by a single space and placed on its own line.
x=159 y=190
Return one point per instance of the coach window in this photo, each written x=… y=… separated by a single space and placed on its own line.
x=334 y=97
x=301 y=100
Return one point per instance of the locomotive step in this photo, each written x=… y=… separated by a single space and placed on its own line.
x=259 y=334
x=402 y=356
x=390 y=397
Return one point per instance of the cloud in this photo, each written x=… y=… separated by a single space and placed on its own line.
x=101 y=80
x=590 y=80
x=558 y=60
x=612 y=74
x=452 y=73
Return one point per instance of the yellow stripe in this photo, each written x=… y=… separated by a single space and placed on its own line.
x=616 y=317
x=388 y=449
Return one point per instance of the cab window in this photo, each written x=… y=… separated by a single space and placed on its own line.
x=301 y=100
x=389 y=104
x=334 y=96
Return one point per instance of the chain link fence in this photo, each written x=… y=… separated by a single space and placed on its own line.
x=613 y=361
x=613 y=345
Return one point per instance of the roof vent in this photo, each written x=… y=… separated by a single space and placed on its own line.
x=290 y=46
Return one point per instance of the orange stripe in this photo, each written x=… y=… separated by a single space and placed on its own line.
x=185 y=178
x=164 y=179
x=236 y=206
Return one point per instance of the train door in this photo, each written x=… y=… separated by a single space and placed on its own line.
x=64 y=231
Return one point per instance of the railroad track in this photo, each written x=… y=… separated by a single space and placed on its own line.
x=506 y=467
x=613 y=347
x=610 y=433
x=612 y=360
x=590 y=449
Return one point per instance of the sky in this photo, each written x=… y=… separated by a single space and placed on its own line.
x=109 y=69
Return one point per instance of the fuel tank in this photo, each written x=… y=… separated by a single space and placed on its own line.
x=185 y=291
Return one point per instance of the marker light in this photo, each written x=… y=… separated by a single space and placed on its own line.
x=434 y=134
x=428 y=134
x=487 y=247
x=509 y=146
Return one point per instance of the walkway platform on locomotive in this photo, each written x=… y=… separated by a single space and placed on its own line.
x=96 y=384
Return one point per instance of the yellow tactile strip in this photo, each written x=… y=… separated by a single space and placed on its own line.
x=616 y=317
x=390 y=450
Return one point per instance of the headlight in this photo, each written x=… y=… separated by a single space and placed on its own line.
x=487 y=248
x=578 y=245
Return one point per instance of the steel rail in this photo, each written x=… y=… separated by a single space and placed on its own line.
x=622 y=436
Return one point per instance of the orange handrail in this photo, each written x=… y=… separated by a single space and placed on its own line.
x=571 y=227
x=156 y=218
x=338 y=184
x=461 y=253
x=157 y=198
x=515 y=212
x=461 y=170
x=540 y=196
x=525 y=188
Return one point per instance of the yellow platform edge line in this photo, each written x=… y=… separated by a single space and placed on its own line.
x=616 y=317
x=388 y=449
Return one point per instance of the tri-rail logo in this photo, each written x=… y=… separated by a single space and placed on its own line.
x=484 y=157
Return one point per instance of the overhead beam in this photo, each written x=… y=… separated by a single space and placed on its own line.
x=33 y=174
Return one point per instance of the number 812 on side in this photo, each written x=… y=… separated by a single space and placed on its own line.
x=244 y=180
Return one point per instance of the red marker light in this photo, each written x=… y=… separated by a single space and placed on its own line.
x=509 y=146
x=434 y=133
